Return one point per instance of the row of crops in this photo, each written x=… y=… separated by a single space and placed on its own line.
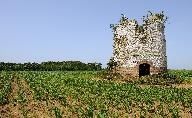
x=5 y=86
x=81 y=94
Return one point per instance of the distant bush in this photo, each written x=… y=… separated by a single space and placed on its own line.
x=112 y=64
x=50 y=66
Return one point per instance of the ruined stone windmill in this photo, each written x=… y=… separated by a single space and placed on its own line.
x=140 y=50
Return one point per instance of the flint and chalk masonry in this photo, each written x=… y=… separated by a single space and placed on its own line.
x=136 y=44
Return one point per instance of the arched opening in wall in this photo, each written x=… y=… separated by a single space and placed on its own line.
x=144 y=69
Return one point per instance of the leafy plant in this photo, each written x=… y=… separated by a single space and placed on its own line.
x=57 y=112
x=90 y=111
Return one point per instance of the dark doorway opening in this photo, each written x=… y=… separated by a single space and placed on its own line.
x=144 y=69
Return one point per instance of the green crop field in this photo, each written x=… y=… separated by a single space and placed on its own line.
x=44 y=94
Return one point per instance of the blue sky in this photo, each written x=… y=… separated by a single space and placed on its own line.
x=58 y=30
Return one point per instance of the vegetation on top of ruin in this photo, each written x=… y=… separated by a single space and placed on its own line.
x=153 y=17
x=148 y=19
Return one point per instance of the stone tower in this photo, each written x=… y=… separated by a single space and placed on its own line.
x=140 y=49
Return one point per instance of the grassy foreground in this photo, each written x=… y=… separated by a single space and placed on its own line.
x=43 y=94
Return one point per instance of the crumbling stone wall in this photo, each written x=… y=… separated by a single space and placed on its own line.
x=135 y=44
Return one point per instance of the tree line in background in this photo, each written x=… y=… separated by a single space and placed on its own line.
x=50 y=66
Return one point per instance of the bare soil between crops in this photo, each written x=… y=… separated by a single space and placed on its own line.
x=33 y=108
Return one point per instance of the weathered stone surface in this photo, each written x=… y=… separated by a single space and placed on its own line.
x=136 y=44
